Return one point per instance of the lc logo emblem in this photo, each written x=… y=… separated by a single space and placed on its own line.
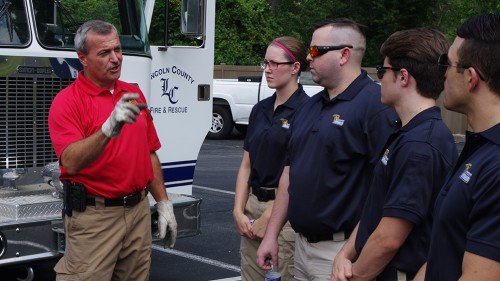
x=169 y=92
x=284 y=123
x=336 y=120
x=465 y=176
x=385 y=158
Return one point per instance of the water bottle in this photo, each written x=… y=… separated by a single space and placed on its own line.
x=272 y=275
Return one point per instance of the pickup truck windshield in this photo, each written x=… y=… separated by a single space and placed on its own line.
x=13 y=23
x=58 y=20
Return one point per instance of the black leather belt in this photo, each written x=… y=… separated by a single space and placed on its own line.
x=337 y=236
x=126 y=201
x=392 y=274
x=264 y=195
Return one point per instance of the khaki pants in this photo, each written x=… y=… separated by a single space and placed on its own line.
x=250 y=271
x=107 y=243
x=314 y=261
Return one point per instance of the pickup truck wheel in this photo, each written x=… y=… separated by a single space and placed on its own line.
x=242 y=129
x=222 y=123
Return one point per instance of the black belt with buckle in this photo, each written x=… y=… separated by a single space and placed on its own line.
x=264 y=195
x=126 y=201
x=337 y=236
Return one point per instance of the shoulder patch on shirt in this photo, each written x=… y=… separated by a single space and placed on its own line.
x=284 y=123
x=466 y=175
x=385 y=157
x=336 y=120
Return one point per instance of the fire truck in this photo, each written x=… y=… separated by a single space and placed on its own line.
x=38 y=59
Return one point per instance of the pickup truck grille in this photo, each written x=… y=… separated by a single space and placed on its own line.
x=24 y=111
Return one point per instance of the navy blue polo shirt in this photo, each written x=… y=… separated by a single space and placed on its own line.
x=406 y=181
x=333 y=147
x=467 y=211
x=267 y=137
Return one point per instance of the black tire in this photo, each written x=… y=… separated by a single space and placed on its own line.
x=222 y=123
x=242 y=129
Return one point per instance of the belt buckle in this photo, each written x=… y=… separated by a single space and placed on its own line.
x=401 y=276
x=311 y=238
x=130 y=200
x=339 y=236
x=268 y=193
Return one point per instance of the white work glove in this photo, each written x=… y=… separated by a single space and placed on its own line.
x=125 y=112
x=167 y=225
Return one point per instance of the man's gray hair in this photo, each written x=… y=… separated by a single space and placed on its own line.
x=98 y=26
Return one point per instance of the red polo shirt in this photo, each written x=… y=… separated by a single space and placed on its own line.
x=124 y=166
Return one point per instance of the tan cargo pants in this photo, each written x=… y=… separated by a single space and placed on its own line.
x=250 y=271
x=107 y=243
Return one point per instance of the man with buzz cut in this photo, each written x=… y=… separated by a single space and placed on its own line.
x=391 y=240
x=335 y=140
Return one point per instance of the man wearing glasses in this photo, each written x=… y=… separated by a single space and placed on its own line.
x=465 y=240
x=392 y=237
x=335 y=140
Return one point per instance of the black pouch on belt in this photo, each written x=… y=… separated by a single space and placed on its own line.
x=79 y=197
x=67 y=201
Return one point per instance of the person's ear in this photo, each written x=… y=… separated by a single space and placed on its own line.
x=472 y=77
x=404 y=77
x=296 y=67
x=83 y=58
x=345 y=55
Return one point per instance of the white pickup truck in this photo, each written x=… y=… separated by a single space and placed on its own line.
x=233 y=100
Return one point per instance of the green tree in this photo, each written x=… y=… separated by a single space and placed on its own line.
x=297 y=17
x=244 y=28
x=386 y=17
x=382 y=17
x=94 y=9
x=446 y=15
x=157 y=32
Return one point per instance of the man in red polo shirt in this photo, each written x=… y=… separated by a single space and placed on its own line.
x=106 y=144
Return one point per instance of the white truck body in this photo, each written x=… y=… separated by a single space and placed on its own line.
x=38 y=60
x=234 y=100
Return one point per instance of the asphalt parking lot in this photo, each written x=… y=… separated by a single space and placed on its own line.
x=213 y=255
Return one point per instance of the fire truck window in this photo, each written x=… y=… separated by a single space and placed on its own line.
x=58 y=20
x=13 y=23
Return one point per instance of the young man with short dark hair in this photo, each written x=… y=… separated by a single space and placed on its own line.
x=465 y=240
x=391 y=240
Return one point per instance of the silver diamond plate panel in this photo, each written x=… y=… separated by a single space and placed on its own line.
x=29 y=203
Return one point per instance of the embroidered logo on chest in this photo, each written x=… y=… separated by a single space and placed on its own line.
x=337 y=121
x=466 y=175
x=385 y=157
x=284 y=123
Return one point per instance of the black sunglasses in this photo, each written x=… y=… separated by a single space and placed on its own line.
x=316 y=51
x=381 y=70
x=444 y=61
